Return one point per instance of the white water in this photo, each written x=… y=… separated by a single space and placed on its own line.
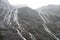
x=42 y=18
x=32 y=37
x=15 y=19
x=50 y=33
x=45 y=18
x=46 y=28
x=7 y=17
x=20 y=34
x=15 y=15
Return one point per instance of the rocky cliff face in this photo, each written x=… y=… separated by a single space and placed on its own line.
x=22 y=24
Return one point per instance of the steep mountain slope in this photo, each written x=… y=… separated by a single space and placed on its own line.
x=21 y=24
x=51 y=11
x=51 y=15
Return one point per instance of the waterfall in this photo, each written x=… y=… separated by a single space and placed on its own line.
x=20 y=34
x=10 y=17
x=32 y=37
x=45 y=27
x=45 y=18
x=16 y=20
x=7 y=17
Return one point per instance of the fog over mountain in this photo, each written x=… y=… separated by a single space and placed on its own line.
x=24 y=23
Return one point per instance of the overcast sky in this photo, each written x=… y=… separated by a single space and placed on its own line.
x=34 y=3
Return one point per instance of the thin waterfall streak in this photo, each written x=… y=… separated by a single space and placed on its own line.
x=42 y=18
x=6 y=17
x=32 y=37
x=20 y=34
x=16 y=20
x=50 y=33
x=47 y=29
x=45 y=17
x=9 y=16
x=15 y=15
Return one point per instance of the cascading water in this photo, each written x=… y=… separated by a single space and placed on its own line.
x=12 y=17
x=32 y=37
x=45 y=27
x=15 y=19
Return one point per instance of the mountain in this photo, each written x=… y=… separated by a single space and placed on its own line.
x=51 y=10
x=18 y=23
x=24 y=23
x=51 y=15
